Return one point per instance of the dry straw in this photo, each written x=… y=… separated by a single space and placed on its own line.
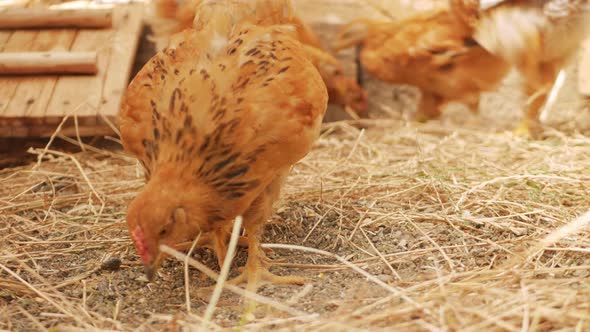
x=440 y=227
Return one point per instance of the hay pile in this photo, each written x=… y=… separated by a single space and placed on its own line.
x=445 y=221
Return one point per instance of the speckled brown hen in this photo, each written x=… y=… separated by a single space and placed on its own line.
x=218 y=119
x=432 y=51
x=539 y=37
x=175 y=15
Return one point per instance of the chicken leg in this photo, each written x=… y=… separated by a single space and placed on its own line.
x=256 y=269
x=530 y=120
x=216 y=241
x=539 y=81
x=472 y=103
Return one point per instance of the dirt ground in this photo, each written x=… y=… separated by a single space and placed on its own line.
x=442 y=219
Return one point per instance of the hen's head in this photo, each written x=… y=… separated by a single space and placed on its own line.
x=344 y=91
x=169 y=210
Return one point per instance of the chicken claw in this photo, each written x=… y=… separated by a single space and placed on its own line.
x=256 y=270
x=522 y=130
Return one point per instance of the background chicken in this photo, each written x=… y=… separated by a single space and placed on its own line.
x=171 y=16
x=218 y=119
x=538 y=37
x=432 y=51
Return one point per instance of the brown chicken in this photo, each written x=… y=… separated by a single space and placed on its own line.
x=432 y=51
x=218 y=119
x=538 y=37
x=174 y=16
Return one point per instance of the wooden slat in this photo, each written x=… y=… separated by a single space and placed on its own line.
x=4 y=97
x=126 y=40
x=31 y=98
x=35 y=105
x=4 y=36
x=48 y=130
x=47 y=63
x=17 y=42
x=81 y=94
x=41 y=17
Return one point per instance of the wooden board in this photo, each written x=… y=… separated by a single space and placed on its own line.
x=34 y=106
x=584 y=70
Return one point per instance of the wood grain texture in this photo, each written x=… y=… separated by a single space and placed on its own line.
x=32 y=96
x=25 y=18
x=35 y=105
x=42 y=63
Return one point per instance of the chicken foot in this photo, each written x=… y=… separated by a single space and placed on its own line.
x=539 y=81
x=256 y=269
x=530 y=121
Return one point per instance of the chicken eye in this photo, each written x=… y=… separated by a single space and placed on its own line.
x=178 y=216
x=166 y=230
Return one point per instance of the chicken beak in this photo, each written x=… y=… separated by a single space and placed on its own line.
x=151 y=268
x=150 y=272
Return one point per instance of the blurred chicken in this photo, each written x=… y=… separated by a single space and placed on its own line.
x=432 y=51
x=176 y=15
x=539 y=37
x=218 y=119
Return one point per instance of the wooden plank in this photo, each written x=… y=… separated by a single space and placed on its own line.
x=41 y=17
x=49 y=130
x=4 y=36
x=584 y=70
x=81 y=95
x=17 y=42
x=31 y=99
x=129 y=21
x=13 y=4
x=47 y=63
x=39 y=103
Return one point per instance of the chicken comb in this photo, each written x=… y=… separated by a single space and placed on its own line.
x=139 y=240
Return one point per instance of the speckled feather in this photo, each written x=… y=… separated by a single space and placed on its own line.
x=231 y=115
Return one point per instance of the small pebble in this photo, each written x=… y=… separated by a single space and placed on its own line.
x=111 y=264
